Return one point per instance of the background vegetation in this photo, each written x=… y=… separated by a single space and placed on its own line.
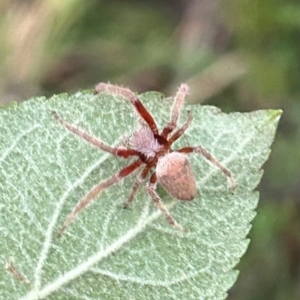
x=240 y=55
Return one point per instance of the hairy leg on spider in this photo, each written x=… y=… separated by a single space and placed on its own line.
x=96 y=190
x=151 y=189
x=176 y=108
x=182 y=129
x=128 y=94
x=136 y=185
x=118 y=151
x=212 y=159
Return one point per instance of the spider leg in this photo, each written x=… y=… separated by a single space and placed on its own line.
x=182 y=129
x=10 y=267
x=96 y=190
x=136 y=185
x=151 y=189
x=118 y=151
x=209 y=157
x=128 y=94
x=176 y=108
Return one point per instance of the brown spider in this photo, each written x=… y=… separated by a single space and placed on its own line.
x=153 y=150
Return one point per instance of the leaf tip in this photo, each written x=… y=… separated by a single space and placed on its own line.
x=275 y=115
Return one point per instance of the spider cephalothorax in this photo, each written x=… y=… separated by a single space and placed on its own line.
x=153 y=152
x=145 y=143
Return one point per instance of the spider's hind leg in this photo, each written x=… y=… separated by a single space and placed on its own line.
x=151 y=189
x=209 y=157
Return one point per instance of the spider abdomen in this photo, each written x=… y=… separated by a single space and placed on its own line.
x=175 y=174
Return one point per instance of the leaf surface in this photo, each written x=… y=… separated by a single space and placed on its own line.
x=109 y=252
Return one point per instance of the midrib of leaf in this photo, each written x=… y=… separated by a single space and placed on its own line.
x=92 y=260
x=82 y=268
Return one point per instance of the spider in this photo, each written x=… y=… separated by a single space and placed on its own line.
x=154 y=154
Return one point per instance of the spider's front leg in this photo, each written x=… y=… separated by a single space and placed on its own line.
x=151 y=189
x=135 y=101
x=176 y=108
x=182 y=129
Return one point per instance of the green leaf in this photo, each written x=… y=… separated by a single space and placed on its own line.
x=109 y=252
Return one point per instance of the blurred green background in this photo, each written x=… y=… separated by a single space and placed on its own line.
x=240 y=55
